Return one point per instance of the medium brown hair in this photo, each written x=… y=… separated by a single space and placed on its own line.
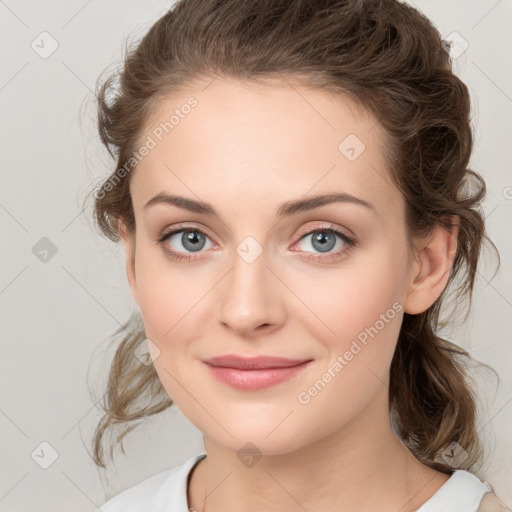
x=388 y=58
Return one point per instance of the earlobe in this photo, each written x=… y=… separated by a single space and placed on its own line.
x=128 y=241
x=431 y=271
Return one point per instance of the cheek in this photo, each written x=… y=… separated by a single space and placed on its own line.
x=359 y=312
x=169 y=297
x=172 y=303
x=364 y=315
x=342 y=304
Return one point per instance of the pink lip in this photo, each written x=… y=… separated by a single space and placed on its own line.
x=251 y=373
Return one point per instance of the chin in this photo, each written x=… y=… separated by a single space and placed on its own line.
x=259 y=438
x=258 y=445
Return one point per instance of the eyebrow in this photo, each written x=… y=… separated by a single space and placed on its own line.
x=285 y=209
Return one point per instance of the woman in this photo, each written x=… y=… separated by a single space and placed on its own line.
x=315 y=154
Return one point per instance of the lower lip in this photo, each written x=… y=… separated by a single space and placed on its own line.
x=255 y=379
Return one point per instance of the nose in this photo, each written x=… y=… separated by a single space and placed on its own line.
x=250 y=300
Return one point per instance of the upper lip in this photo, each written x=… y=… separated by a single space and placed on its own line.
x=253 y=363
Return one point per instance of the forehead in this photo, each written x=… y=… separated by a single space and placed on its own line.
x=275 y=140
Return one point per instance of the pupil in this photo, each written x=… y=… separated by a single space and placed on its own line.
x=326 y=241
x=191 y=240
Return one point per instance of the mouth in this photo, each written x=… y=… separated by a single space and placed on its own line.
x=253 y=373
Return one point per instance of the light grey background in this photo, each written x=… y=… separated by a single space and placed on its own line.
x=57 y=316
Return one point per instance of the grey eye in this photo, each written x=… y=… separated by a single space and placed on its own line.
x=323 y=241
x=191 y=240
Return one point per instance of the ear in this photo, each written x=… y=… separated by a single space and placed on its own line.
x=128 y=240
x=432 y=266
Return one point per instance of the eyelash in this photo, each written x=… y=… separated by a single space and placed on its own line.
x=351 y=243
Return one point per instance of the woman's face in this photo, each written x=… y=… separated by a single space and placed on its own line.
x=266 y=279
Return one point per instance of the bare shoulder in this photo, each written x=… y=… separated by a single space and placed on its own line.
x=491 y=503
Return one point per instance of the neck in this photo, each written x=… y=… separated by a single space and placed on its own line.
x=361 y=467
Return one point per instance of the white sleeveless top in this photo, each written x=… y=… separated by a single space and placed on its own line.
x=167 y=492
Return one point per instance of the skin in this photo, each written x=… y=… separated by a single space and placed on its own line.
x=245 y=149
x=491 y=503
